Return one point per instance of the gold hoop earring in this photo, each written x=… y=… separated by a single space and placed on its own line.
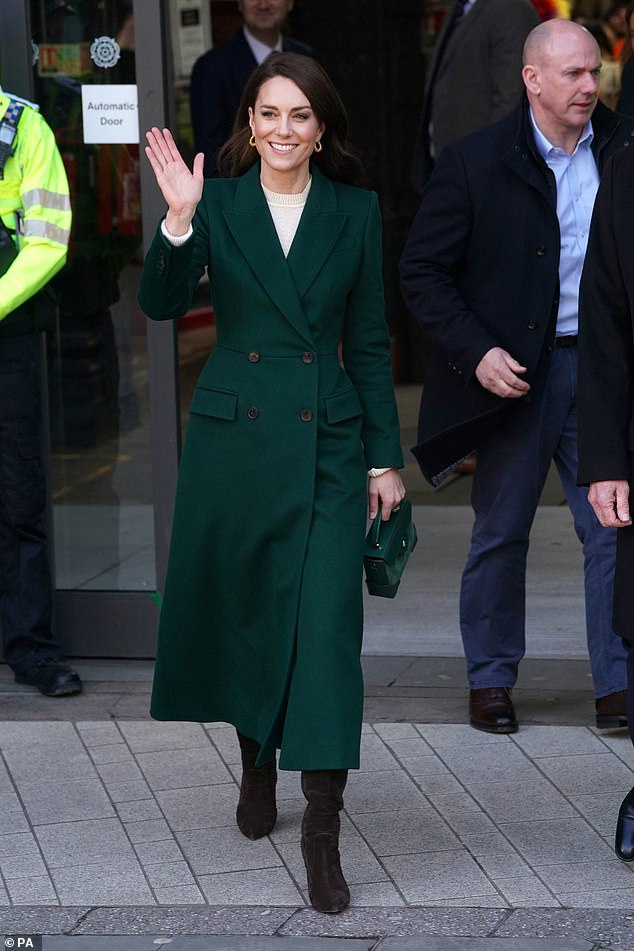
x=252 y=141
x=318 y=147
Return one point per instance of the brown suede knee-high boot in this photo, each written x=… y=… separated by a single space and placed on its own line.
x=256 y=813
x=327 y=887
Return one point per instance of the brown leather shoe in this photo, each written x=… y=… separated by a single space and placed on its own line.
x=612 y=711
x=491 y=710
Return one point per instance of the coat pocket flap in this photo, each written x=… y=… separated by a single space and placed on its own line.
x=343 y=406
x=219 y=403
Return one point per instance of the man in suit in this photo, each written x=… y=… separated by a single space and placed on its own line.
x=606 y=404
x=491 y=270
x=474 y=77
x=220 y=75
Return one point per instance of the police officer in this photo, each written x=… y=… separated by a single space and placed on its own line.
x=35 y=220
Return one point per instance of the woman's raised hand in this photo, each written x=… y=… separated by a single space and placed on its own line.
x=181 y=188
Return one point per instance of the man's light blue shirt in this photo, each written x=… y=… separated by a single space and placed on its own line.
x=577 y=180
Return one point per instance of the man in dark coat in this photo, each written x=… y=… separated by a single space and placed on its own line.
x=606 y=403
x=220 y=75
x=491 y=270
x=474 y=77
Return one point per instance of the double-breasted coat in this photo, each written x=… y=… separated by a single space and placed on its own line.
x=481 y=269
x=261 y=623
x=606 y=361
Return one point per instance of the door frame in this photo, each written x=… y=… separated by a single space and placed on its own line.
x=122 y=623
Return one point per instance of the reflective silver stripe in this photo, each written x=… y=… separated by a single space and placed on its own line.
x=42 y=196
x=44 y=229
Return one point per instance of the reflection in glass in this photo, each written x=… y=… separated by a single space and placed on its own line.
x=97 y=357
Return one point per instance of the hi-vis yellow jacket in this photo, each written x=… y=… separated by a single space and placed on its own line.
x=35 y=188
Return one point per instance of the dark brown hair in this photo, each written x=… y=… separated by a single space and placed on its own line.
x=336 y=160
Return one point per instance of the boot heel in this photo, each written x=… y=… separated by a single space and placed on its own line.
x=327 y=888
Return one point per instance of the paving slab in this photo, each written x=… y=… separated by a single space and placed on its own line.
x=511 y=801
x=38 y=890
x=556 y=842
x=179 y=895
x=601 y=927
x=198 y=920
x=438 y=876
x=411 y=830
x=262 y=886
x=111 y=753
x=526 y=892
x=212 y=851
x=177 y=769
x=105 y=884
x=199 y=807
x=85 y=842
x=147 y=830
x=366 y=922
x=381 y=791
x=149 y=736
x=54 y=802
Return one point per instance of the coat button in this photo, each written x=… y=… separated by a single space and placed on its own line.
x=254 y=356
x=541 y=250
x=306 y=415
x=532 y=324
x=307 y=357
x=253 y=412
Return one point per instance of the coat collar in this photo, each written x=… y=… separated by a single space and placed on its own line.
x=524 y=158
x=285 y=280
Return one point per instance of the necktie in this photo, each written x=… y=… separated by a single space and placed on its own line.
x=458 y=13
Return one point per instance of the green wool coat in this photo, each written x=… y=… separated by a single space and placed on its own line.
x=262 y=616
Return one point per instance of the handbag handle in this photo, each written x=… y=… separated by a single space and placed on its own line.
x=376 y=528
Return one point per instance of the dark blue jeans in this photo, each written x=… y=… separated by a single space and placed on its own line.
x=511 y=470
x=25 y=582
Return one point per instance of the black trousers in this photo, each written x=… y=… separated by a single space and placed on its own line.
x=25 y=582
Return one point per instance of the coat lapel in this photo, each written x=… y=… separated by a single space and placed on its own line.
x=286 y=280
x=252 y=228
x=460 y=34
x=318 y=232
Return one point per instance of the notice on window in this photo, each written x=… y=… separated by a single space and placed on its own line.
x=110 y=114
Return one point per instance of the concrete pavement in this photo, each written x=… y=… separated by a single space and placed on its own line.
x=117 y=832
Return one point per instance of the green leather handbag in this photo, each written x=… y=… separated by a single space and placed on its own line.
x=388 y=545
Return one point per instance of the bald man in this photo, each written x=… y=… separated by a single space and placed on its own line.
x=491 y=270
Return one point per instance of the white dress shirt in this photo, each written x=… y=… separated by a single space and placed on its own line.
x=261 y=50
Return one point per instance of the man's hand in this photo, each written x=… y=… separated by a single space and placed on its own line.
x=610 y=501
x=497 y=372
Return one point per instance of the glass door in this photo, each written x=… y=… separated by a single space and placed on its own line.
x=97 y=356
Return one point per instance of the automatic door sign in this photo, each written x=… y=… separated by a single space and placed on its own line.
x=110 y=114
